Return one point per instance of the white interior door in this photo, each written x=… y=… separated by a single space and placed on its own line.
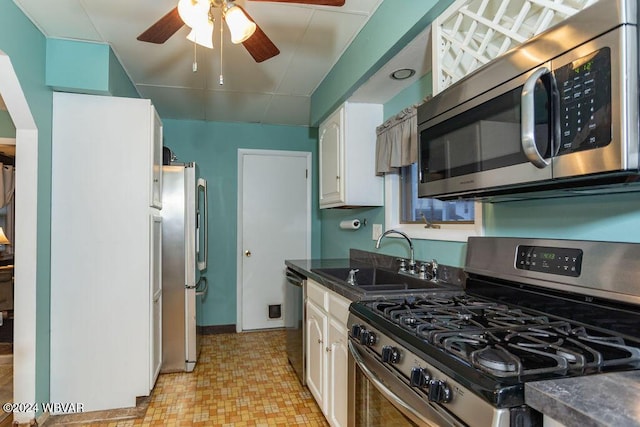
x=275 y=224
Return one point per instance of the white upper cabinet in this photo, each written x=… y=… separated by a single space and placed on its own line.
x=346 y=147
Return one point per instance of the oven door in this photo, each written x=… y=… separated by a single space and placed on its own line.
x=381 y=397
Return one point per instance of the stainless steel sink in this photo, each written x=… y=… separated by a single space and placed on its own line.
x=369 y=279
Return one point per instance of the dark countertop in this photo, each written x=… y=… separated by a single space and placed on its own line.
x=307 y=267
x=611 y=399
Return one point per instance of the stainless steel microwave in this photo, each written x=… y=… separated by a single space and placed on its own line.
x=559 y=112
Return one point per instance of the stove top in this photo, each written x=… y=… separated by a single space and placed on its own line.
x=505 y=341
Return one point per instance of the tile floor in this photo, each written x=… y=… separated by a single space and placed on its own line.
x=6 y=380
x=240 y=380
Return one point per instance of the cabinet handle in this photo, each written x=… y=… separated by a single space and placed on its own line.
x=319 y=341
x=327 y=349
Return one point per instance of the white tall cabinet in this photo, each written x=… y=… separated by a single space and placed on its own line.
x=106 y=230
x=346 y=147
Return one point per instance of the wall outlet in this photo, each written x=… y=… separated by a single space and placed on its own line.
x=377 y=231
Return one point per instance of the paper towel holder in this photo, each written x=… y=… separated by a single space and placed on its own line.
x=353 y=224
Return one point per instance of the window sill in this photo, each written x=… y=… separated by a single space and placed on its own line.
x=448 y=232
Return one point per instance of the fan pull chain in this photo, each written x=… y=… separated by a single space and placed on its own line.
x=194 y=67
x=221 y=80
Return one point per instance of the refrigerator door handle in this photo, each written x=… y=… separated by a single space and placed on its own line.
x=202 y=287
x=202 y=262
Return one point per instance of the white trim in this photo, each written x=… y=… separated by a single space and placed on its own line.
x=449 y=232
x=25 y=264
x=241 y=153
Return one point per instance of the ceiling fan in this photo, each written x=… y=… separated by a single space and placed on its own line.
x=198 y=15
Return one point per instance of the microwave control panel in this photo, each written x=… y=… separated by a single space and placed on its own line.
x=561 y=261
x=585 y=102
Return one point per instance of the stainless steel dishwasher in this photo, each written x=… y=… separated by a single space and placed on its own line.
x=294 y=320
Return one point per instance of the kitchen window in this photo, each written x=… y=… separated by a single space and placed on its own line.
x=426 y=211
x=457 y=220
x=396 y=157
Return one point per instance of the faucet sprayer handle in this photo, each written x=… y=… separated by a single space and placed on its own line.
x=403 y=264
x=422 y=272
x=434 y=270
x=351 y=280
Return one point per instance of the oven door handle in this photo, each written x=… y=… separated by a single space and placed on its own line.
x=382 y=388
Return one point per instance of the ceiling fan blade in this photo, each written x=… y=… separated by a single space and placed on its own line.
x=164 y=28
x=259 y=45
x=337 y=3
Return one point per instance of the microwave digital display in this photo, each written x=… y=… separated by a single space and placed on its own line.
x=585 y=102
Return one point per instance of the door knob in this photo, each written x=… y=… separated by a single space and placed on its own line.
x=247 y=253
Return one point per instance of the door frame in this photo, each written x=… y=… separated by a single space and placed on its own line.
x=25 y=254
x=240 y=236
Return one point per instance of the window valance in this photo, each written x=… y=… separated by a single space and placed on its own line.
x=397 y=142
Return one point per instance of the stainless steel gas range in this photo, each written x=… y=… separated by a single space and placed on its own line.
x=531 y=310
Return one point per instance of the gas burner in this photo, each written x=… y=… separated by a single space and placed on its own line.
x=496 y=359
x=408 y=320
x=514 y=317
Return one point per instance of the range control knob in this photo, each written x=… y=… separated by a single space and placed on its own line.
x=439 y=391
x=390 y=354
x=356 y=330
x=419 y=377
x=367 y=337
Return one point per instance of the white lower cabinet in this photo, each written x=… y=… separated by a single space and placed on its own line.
x=316 y=336
x=337 y=370
x=327 y=357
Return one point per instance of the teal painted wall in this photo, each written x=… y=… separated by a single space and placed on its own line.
x=412 y=95
x=337 y=242
x=395 y=23
x=26 y=48
x=86 y=67
x=119 y=82
x=7 y=129
x=78 y=65
x=214 y=146
x=612 y=217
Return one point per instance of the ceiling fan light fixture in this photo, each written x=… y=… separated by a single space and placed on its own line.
x=240 y=26
x=194 y=13
x=202 y=35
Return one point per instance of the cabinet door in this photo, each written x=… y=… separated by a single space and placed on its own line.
x=330 y=161
x=316 y=326
x=156 y=160
x=337 y=391
x=155 y=320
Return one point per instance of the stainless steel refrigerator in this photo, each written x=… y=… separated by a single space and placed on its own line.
x=184 y=262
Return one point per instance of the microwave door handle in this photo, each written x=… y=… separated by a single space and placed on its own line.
x=527 y=109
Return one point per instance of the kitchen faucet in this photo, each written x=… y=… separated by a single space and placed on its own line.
x=412 y=261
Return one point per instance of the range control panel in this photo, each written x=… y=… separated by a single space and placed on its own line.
x=561 y=261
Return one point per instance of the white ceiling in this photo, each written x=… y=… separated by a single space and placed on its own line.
x=277 y=91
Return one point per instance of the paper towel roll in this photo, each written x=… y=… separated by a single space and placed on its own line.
x=350 y=224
